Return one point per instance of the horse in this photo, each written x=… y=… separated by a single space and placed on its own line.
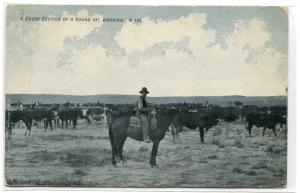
x=120 y=129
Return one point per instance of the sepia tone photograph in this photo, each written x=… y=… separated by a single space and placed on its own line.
x=120 y=96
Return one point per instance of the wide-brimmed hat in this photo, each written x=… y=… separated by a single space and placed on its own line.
x=144 y=89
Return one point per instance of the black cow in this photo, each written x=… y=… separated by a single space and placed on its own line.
x=194 y=120
x=42 y=114
x=67 y=115
x=264 y=120
x=12 y=117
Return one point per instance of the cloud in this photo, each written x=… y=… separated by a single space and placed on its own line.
x=149 y=32
x=176 y=57
x=245 y=66
x=33 y=50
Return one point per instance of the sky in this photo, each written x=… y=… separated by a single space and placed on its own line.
x=173 y=51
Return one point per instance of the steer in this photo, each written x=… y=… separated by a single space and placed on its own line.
x=12 y=117
x=42 y=114
x=69 y=114
x=263 y=120
x=194 y=120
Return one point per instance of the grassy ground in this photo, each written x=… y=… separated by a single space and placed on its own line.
x=81 y=157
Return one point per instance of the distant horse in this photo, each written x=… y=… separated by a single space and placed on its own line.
x=120 y=129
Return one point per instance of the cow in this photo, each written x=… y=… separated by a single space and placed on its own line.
x=86 y=113
x=193 y=120
x=263 y=120
x=106 y=116
x=12 y=117
x=42 y=114
x=55 y=118
x=246 y=109
x=67 y=115
x=175 y=130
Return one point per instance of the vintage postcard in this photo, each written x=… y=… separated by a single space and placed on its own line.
x=146 y=96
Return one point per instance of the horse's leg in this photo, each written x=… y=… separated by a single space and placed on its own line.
x=154 y=153
x=201 y=130
x=114 y=153
x=120 y=149
x=113 y=149
x=156 y=150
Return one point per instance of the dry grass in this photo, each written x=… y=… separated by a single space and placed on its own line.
x=82 y=157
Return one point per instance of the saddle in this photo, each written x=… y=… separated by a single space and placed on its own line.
x=135 y=122
x=135 y=129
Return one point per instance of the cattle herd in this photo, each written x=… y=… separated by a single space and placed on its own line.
x=176 y=116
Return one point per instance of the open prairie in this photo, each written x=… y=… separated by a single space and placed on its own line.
x=81 y=157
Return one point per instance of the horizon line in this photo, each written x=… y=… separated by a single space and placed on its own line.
x=148 y=95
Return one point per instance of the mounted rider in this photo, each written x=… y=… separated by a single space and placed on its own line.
x=143 y=110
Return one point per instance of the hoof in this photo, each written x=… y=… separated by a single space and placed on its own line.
x=152 y=164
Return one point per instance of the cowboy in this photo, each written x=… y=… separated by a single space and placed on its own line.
x=142 y=113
